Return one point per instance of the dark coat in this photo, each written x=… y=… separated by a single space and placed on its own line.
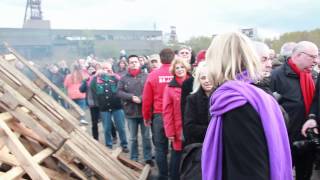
x=196 y=117
x=186 y=89
x=245 y=150
x=315 y=107
x=105 y=93
x=286 y=83
x=129 y=86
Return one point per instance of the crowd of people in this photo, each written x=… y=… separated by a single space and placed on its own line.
x=232 y=111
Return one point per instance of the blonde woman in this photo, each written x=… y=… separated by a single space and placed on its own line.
x=72 y=83
x=246 y=137
x=196 y=116
x=172 y=112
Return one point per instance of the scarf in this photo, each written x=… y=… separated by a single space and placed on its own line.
x=306 y=85
x=233 y=94
x=134 y=72
x=180 y=80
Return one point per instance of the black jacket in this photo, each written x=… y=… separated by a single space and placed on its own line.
x=196 y=117
x=245 y=150
x=315 y=107
x=286 y=83
x=186 y=89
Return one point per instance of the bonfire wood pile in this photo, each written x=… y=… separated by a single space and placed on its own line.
x=39 y=139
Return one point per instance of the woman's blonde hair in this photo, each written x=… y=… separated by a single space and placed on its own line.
x=76 y=74
x=178 y=61
x=230 y=54
x=200 y=69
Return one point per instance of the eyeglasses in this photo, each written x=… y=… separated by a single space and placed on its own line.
x=311 y=56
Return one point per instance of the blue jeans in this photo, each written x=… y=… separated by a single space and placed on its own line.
x=118 y=117
x=133 y=124
x=82 y=103
x=160 y=142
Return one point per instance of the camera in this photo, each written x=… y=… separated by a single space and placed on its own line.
x=311 y=143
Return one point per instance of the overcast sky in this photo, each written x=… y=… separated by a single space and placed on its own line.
x=191 y=17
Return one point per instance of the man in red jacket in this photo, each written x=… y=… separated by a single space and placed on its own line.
x=152 y=109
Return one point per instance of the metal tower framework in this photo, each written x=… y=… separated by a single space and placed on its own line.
x=33 y=10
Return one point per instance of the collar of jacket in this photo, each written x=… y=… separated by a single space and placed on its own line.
x=105 y=77
x=174 y=83
x=129 y=75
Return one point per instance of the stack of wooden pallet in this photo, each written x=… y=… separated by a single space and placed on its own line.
x=39 y=139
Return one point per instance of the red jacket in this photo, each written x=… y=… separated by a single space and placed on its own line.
x=172 y=121
x=153 y=91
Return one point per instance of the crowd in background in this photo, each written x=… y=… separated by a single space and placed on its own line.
x=232 y=111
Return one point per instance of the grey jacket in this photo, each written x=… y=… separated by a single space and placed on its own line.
x=129 y=86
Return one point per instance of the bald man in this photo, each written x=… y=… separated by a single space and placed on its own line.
x=294 y=81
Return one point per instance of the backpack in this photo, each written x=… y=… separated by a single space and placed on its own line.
x=190 y=166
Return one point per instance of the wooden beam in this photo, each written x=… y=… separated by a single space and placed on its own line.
x=47 y=81
x=27 y=132
x=145 y=172
x=23 y=156
x=5 y=116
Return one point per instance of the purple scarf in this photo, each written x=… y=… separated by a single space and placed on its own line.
x=231 y=95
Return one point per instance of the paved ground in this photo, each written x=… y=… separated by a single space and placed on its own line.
x=154 y=171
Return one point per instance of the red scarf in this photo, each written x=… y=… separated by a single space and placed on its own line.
x=134 y=72
x=181 y=79
x=306 y=85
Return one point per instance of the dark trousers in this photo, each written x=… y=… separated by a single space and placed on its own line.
x=303 y=163
x=95 y=114
x=175 y=164
x=160 y=142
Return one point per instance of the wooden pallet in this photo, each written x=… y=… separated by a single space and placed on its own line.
x=41 y=80
x=59 y=130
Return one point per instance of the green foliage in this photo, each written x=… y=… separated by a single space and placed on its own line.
x=199 y=43
x=313 y=36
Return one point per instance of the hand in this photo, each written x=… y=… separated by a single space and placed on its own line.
x=311 y=123
x=171 y=139
x=136 y=99
x=147 y=122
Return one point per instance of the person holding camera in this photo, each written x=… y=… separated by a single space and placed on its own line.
x=294 y=82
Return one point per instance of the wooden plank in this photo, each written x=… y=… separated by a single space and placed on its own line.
x=9 y=57
x=40 y=83
x=66 y=157
x=5 y=116
x=72 y=104
x=9 y=75
x=9 y=159
x=23 y=156
x=55 y=175
x=17 y=171
x=145 y=173
x=103 y=155
x=116 y=152
x=95 y=155
x=39 y=98
x=27 y=132
x=49 y=162
x=3 y=139
x=56 y=137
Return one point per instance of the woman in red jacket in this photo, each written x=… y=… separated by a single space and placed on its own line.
x=172 y=113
